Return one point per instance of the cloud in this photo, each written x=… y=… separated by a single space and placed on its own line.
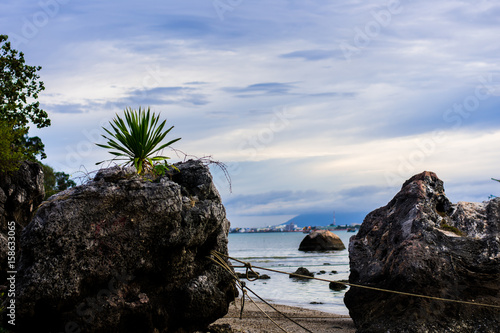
x=261 y=89
x=159 y=96
x=332 y=94
x=313 y=55
x=281 y=89
x=310 y=201
x=224 y=82
x=66 y=108
x=168 y=95
x=277 y=203
x=361 y=191
x=187 y=26
x=196 y=83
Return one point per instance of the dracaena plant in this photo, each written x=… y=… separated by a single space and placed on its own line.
x=136 y=138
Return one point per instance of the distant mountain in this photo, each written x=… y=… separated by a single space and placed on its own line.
x=323 y=219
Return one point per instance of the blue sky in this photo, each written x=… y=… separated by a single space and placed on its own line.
x=314 y=106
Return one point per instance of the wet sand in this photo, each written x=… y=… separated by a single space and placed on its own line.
x=254 y=321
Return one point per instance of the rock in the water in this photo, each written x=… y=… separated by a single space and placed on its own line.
x=301 y=273
x=335 y=286
x=321 y=240
x=421 y=243
x=121 y=254
x=21 y=192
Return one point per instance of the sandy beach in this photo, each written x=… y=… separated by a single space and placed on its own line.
x=254 y=321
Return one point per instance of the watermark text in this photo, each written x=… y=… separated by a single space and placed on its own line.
x=11 y=272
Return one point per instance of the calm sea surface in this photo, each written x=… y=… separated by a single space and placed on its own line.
x=279 y=250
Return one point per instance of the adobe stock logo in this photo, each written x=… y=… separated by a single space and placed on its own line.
x=470 y=104
x=250 y=147
x=32 y=24
x=454 y=118
x=266 y=135
x=382 y=18
x=223 y=6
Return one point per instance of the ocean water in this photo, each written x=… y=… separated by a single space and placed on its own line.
x=279 y=250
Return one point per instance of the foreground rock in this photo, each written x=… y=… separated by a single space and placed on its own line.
x=321 y=240
x=422 y=243
x=121 y=254
x=20 y=194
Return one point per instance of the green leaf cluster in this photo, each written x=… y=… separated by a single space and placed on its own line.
x=162 y=169
x=136 y=138
x=448 y=227
x=19 y=88
x=11 y=155
x=55 y=182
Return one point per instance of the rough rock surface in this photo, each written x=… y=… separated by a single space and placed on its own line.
x=421 y=243
x=20 y=194
x=321 y=240
x=301 y=274
x=121 y=254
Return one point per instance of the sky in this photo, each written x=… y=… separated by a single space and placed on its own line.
x=313 y=106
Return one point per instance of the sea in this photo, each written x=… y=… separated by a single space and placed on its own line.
x=279 y=251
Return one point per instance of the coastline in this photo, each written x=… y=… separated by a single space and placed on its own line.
x=279 y=251
x=255 y=321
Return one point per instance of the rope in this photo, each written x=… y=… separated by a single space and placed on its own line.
x=220 y=261
x=272 y=307
x=248 y=267
x=242 y=301
x=242 y=285
x=264 y=312
x=308 y=317
x=367 y=287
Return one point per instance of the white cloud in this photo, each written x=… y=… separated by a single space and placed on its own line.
x=350 y=124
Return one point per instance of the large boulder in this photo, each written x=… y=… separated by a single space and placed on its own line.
x=21 y=192
x=126 y=254
x=301 y=273
x=423 y=244
x=321 y=240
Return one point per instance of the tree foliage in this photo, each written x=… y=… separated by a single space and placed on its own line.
x=55 y=182
x=19 y=88
x=10 y=156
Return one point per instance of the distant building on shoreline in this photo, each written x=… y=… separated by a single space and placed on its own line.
x=292 y=227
